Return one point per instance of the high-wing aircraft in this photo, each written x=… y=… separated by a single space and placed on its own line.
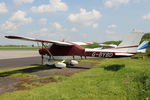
x=73 y=50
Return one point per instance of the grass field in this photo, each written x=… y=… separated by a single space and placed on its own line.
x=18 y=48
x=112 y=79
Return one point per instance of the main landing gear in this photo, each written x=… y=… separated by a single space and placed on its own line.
x=63 y=64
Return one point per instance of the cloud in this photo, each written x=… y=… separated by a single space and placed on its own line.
x=53 y=6
x=109 y=32
x=74 y=29
x=111 y=3
x=138 y=1
x=3 y=8
x=95 y=25
x=9 y=26
x=113 y=37
x=48 y=34
x=20 y=17
x=43 y=30
x=43 y=21
x=16 y=20
x=146 y=17
x=85 y=18
x=19 y=2
x=112 y=26
x=57 y=26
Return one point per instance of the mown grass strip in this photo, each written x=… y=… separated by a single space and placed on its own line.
x=18 y=72
x=19 y=48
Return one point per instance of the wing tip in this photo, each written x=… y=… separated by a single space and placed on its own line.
x=12 y=37
x=9 y=37
x=6 y=36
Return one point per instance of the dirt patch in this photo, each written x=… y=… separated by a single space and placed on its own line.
x=9 y=84
x=70 y=70
x=27 y=83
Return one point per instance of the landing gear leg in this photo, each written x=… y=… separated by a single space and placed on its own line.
x=48 y=60
x=42 y=61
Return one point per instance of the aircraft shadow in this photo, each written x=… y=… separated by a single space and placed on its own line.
x=28 y=70
x=36 y=69
x=114 y=67
x=76 y=67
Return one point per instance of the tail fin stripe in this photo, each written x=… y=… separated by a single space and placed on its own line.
x=144 y=46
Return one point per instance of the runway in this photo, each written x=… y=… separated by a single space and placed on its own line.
x=18 y=58
x=10 y=54
x=19 y=62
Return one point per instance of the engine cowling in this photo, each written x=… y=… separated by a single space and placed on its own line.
x=60 y=65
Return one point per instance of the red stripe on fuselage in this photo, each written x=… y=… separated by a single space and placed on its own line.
x=106 y=54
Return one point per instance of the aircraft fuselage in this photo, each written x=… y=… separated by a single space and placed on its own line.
x=78 y=52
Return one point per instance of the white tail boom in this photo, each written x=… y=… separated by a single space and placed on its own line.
x=128 y=47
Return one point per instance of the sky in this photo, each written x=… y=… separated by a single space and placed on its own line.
x=72 y=20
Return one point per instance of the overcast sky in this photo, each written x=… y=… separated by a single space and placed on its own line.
x=73 y=20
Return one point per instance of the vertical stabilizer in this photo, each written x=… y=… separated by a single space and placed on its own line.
x=132 y=40
x=131 y=43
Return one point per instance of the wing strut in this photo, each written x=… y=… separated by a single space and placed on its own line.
x=42 y=56
x=48 y=51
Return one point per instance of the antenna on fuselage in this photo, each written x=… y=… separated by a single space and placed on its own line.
x=63 y=40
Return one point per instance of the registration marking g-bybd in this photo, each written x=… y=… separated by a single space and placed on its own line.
x=102 y=54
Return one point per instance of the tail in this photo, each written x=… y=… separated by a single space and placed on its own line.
x=128 y=46
x=131 y=43
x=143 y=46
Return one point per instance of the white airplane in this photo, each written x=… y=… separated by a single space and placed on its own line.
x=72 y=50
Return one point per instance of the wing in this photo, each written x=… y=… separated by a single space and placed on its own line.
x=38 y=40
x=82 y=43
